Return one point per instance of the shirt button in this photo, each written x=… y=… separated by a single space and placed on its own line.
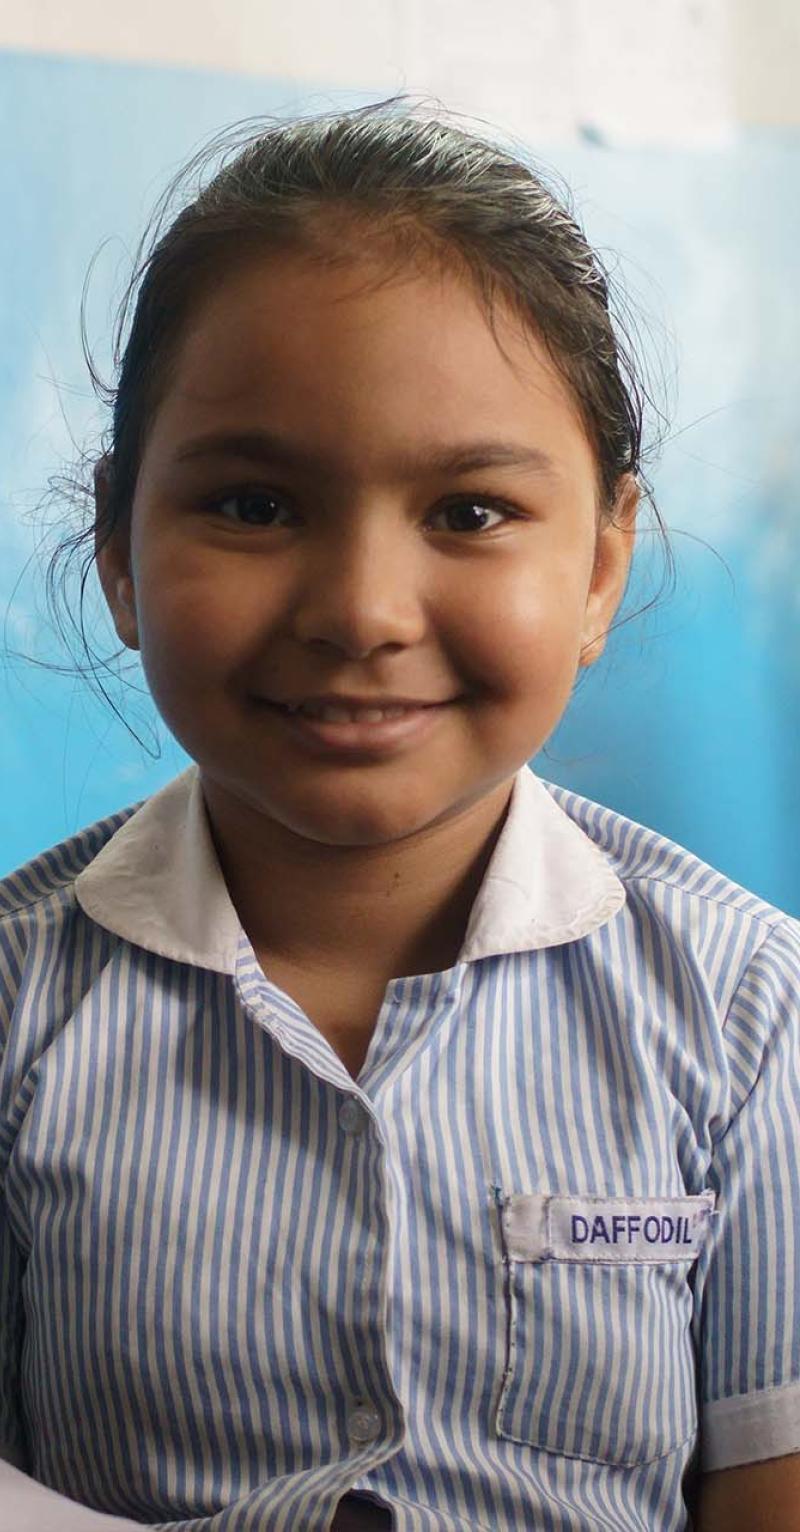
x=363 y=1423
x=352 y=1117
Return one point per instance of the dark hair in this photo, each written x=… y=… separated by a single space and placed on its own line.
x=420 y=190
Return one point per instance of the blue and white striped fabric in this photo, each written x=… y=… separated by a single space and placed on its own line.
x=535 y=1268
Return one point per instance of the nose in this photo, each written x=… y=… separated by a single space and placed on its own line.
x=368 y=591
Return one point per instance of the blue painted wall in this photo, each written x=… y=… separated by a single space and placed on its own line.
x=691 y=722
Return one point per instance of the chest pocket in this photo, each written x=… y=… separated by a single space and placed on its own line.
x=600 y=1363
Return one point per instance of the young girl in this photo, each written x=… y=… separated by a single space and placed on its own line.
x=390 y=1137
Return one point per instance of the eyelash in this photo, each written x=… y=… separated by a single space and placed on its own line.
x=487 y=502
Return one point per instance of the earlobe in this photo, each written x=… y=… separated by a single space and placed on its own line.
x=592 y=651
x=121 y=600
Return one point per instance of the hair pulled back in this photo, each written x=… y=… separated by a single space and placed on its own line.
x=404 y=186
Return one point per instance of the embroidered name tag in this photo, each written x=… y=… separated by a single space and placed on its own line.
x=543 y=1227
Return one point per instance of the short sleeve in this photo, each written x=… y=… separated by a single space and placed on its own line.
x=747 y=1283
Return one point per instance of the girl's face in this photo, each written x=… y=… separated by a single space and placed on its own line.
x=346 y=560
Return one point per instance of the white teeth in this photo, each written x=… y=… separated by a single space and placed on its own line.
x=331 y=714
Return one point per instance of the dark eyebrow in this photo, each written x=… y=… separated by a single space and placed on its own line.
x=463 y=457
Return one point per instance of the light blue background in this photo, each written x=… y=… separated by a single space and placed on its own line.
x=691 y=721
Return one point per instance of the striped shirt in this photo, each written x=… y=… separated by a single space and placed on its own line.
x=538 y=1266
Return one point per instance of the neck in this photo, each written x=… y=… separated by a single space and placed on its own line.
x=388 y=910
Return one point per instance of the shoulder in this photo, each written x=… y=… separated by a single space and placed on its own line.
x=40 y=929
x=664 y=874
x=49 y=950
x=712 y=948
x=48 y=876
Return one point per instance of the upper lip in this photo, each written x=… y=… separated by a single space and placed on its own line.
x=338 y=699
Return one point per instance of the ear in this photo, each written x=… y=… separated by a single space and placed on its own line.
x=113 y=558
x=613 y=553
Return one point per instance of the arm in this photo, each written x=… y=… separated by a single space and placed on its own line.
x=747 y=1291
x=757 y=1497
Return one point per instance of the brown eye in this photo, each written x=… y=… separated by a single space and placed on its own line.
x=251 y=503
x=473 y=504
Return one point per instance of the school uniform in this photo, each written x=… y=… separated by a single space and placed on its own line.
x=536 y=1268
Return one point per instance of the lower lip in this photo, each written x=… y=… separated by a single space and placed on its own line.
x=381 y=737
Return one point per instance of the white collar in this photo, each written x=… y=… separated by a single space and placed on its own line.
x=158 y=883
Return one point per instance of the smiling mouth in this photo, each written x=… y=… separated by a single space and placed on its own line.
x=381 y=735
x=335 y=713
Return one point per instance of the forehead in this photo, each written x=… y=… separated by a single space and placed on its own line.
x=354 y=351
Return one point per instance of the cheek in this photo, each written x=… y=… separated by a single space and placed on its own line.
x=193 y=619
x=530 y=631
